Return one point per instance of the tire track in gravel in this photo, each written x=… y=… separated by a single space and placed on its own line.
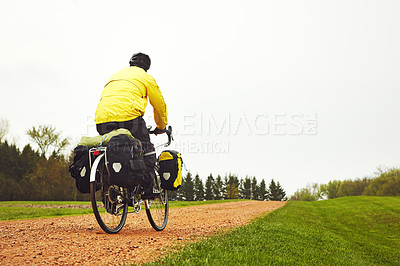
x=79 y=239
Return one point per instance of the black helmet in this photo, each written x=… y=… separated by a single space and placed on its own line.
x=140 y=60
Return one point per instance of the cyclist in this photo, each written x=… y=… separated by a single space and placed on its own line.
x=123 y=103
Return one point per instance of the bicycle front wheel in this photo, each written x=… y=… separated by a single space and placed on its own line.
x=157 y=209
x=108 y=202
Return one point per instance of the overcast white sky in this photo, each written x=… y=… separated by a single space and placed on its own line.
x=298 y=91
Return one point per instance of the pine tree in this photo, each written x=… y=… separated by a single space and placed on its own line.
x=219 y=188
x=247 y=188
x=13 y=163
x=29 y=158
x=225 y=186
x=210 y=188
x=282 y=192
x=262 y=191
x=254 y=189
x=241 y=189
x=276 y=192
x=198 y=188
x=187 y=187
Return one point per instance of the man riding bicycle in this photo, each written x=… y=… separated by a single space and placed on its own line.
x=123 y=103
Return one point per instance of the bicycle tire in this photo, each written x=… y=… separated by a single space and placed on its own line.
x=157 y=210
x=111 y=216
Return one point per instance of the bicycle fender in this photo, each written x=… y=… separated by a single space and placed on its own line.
x=94 y=168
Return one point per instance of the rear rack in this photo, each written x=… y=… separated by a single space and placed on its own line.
x=96 y=151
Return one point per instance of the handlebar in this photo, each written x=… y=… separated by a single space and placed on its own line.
x=168 y=131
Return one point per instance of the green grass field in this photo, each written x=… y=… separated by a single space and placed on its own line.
x=18 y=213
x=2 y=203
x=343 y=231
x=16 y=210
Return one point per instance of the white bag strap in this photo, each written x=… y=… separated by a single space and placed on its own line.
x=150 y=153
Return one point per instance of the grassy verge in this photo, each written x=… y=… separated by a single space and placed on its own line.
x=180 y=204
x=19 y=213
x=344 y=231
x=16 y=210
x=13 y=203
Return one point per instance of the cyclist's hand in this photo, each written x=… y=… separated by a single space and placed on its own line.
x=158 y=131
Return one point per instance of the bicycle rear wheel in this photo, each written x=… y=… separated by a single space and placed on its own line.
x=157 y=209
x=108 y=202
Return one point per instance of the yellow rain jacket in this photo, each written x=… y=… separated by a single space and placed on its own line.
x=125 y=97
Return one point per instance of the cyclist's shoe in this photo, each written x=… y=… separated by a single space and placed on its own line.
x=149 y=195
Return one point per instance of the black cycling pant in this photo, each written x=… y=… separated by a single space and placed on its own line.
x=138 y=129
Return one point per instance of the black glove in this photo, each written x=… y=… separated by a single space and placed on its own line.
x=158 y=131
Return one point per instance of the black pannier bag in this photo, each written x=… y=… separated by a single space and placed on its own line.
x=170 y=169
x=125 y=161
x=80 y=169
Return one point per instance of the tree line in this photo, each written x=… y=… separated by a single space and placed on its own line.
x=43 y=174
x=229 y=187
x=386 y=182
x=28 y=175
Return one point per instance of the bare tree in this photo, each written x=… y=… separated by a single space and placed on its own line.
x=4 y=127
x=45 y=137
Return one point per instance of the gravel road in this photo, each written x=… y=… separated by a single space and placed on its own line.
x=79 y=239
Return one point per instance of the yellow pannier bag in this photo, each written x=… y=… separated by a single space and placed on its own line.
x=170 y=169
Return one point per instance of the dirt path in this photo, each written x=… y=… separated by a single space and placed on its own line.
x=79 y=240
x=66 y=206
